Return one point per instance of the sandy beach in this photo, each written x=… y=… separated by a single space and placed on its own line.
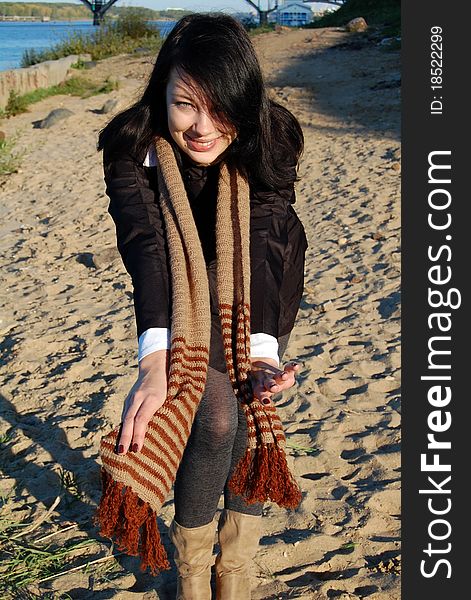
x=69 y=348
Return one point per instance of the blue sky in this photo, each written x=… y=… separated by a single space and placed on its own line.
x=205 y=5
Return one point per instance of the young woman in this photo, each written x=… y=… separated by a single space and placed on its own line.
x=204 y=136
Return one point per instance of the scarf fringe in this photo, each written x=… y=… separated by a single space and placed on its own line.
x=263 y=474
x=131 y=522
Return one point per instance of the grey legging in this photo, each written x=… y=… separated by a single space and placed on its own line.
x=217 y=442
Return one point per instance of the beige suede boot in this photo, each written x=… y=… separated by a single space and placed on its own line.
x=239 y=535
x=193 y=557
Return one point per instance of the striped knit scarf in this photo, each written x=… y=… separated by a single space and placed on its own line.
x=135 y=485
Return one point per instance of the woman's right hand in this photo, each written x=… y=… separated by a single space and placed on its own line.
x=147 y=395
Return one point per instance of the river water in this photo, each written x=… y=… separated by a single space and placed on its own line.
x=15 y=38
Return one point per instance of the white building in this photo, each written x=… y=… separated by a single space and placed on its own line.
x=293 y=14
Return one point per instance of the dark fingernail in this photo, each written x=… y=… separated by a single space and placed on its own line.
x=135 y=447
x=120 y=449
x=266 y=401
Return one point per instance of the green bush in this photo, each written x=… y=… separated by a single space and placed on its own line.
x=9 y=159
x=16 y=104
x=79 y=65
x=120 y=36
x=132 y=24
x=31 y=57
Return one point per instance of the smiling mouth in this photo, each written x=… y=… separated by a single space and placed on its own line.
x=202 y=144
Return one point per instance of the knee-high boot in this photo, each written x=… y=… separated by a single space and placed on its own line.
x=239 y=536
x=193 y=557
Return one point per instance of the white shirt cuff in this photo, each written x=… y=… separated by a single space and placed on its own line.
x=263 y=345
x=153 y=339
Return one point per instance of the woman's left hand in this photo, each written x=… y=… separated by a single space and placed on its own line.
x=269 y=379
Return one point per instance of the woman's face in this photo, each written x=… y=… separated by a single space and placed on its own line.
x=197 y=134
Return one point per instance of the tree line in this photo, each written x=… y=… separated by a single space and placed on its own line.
x=59 y=11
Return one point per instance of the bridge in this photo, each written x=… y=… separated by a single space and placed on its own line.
x=99 y=8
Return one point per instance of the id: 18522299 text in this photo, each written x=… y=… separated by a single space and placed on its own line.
x=436 y=70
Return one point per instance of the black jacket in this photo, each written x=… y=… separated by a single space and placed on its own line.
x=277 y=246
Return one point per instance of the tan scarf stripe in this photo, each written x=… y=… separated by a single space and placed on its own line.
x=178 y=378
x=153 y=458
x=180 y=343
x=186 y=365
x=149 y=472
x=187 y=405
x=188 y=387
x=173 y=426
x=195 y=362
x=163 y=434
x=159 y=451
x=111 y=439
x=129 y=471
x=184 y=410
x=267 y=428
x=135 y=485
x=178 y=424
x=150 y=469
x=182 y=423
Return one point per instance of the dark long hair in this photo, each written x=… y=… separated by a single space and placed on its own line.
x=216 y=53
